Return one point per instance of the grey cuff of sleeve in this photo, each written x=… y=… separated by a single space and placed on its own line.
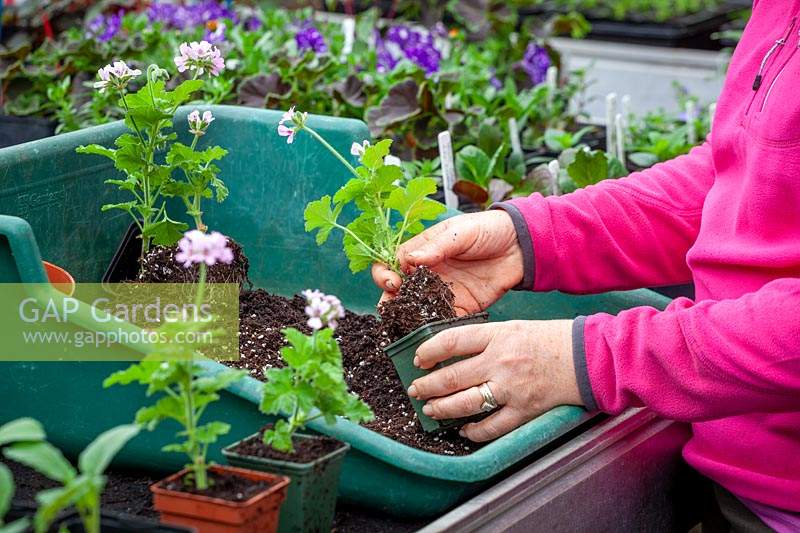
x=525 y=244
x=579 y=359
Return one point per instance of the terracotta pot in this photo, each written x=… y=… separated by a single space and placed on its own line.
x=259 y=514
x=59 y=278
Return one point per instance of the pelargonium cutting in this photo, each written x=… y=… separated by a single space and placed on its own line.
x=172 y=369
x=390 y=213
x=312 y=383
x=149 y=156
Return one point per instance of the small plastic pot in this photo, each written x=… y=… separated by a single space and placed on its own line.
x=59 y=278
x=402 y=354
x=311 y=498
x=124 y=266
x=259 y=514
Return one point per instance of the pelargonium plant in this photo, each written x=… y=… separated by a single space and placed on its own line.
x=149 y=155
x=312 y=384
x=390 y=213
x=172 y=369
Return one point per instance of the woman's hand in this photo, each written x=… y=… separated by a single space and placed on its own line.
x=478 y=253
x=527 y=365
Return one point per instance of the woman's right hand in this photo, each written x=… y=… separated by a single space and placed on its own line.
x=477 y=253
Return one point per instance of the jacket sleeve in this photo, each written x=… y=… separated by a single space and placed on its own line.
x=695 y=362
x=620 y=234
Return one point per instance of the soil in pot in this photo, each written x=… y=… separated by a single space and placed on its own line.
x=236 y=501
x=314 y=467
x=423 y=298
x=368 y=371
x=159 y=266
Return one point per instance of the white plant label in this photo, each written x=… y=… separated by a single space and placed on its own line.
x=611 y=112
x=619 y=130
x=554 y=169
x=349 y=31
x=552 y=84
x=513 y=133
x=448 y=169
x=691 y=116
x=712 y=112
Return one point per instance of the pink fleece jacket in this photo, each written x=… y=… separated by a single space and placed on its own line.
x=726 y=216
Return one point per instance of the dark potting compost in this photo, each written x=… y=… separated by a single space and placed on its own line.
x=423 y=298
x=221 y=485
x=368 y=371
x=159 y=266
x=305 y=450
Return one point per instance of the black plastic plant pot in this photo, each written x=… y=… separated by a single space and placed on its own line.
x=119 y=523
x=124 y=266
x=18 y=130
x=310 y=502
x=402 y=354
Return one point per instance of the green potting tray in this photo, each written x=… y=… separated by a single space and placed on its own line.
x=60 y=192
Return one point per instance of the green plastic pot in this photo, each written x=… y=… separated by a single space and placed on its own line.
x=311 y=499
x=402 y=354
x=58 y=193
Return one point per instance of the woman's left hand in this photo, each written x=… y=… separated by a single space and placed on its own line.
x=527 y=365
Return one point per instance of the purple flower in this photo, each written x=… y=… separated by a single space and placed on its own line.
x=215 y=32
x=177 y=16
x=403 y=42
x=104 y=27
x=322 y=309
x=308 y=37
x=253 y=24
x=536 y=62
x=197 y=247
x=494 y=80
x=115 y=76
x=202 y=56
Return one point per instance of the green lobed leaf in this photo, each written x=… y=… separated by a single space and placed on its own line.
x=209 y=433
x=472 y=164
x=374 y=155
x=588 y=168
x=165 y=232
x=320 y=215
x=96 y=149
x=366 y=229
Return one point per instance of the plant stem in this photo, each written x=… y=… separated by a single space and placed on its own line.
x=332 y=150
x=201 y=286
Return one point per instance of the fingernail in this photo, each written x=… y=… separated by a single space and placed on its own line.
x=390 y=284
x=412 y=391
x=461 y=433
x=416 y=361
x=427 y=409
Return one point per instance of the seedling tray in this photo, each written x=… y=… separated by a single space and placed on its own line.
x=59 y=193
x=690 y=31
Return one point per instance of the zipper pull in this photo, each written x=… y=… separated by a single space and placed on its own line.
x=757 y=82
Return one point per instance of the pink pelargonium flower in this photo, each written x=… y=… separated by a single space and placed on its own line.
x=323 y=310
x=202 y=57
x=298 y=120
x=197 y=124
x=197 y=247
x=115 y=76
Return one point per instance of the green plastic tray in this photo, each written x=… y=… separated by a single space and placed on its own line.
x=59 y=193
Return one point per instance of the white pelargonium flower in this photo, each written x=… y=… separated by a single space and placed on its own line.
x=298 y=120
x=323 y=310
x=115 y=76
x=358 y=149
x=197 y=124
x=202 y=57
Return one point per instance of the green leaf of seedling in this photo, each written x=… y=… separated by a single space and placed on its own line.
x=472 y=164
x=209 y=433
x=357 y=411
x=44 y=458
x=588 y=168
x=218 y=382
x=279 y=437
x=320 y=215
x=96 y=149
x=279 y=393
x=374 y=155
x=94 y=460
x=6 y=491
x=366 y=229
x=183 y=92
x=643 y=159
x=21 y=429
x=18 y=526
x=413 y=203
x=384 y=180
x=53 y=501
x=166 y=407
x=165 y=232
